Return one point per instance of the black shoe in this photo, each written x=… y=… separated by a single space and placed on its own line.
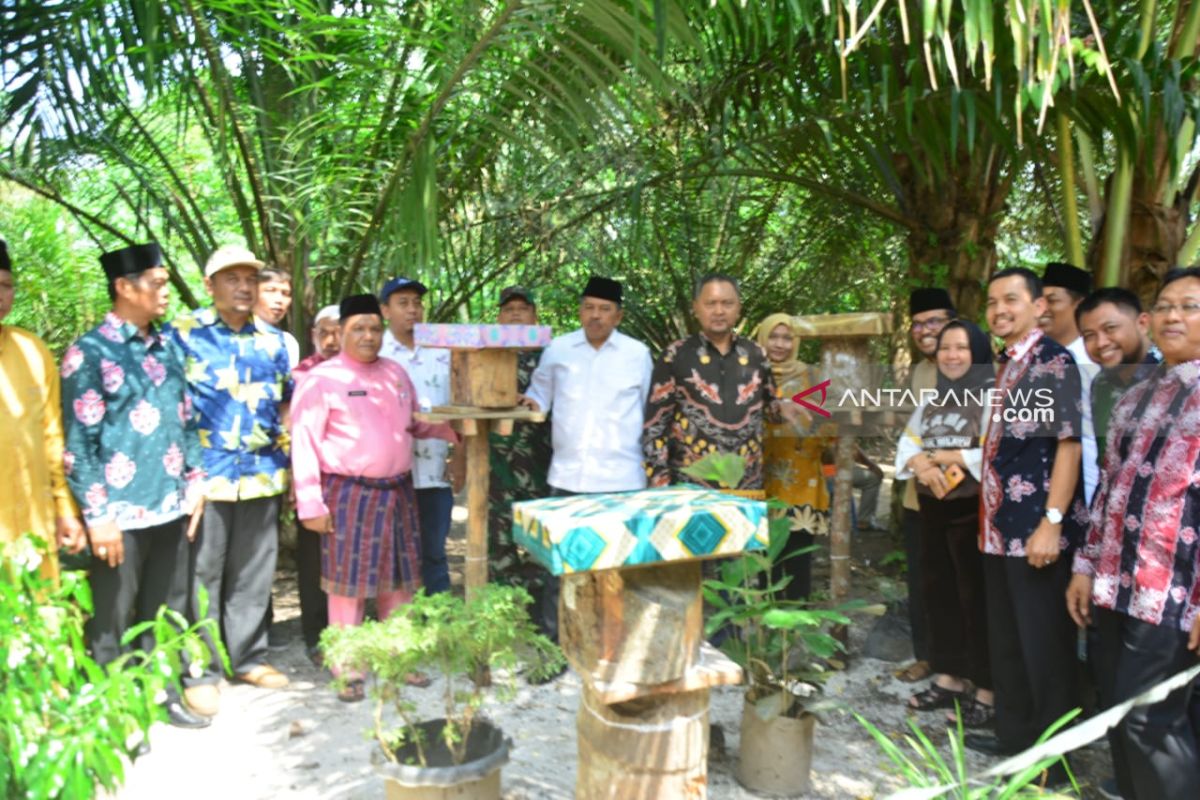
x=181 y=716
x=987 y=744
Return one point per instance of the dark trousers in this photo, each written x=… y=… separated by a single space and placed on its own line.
x=918 y=618
x=953 y=588
x=314 y=604
x=433 y=512
x=1156 y=748
x=1032 y=643
x=235 y=554
x=153 y=574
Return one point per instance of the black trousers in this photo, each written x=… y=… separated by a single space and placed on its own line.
x=234 y=560
x=1156 y=748
x=954 y=589
x=918 y=618
x=1032 y=644
x=314 y=603
x=153 y=574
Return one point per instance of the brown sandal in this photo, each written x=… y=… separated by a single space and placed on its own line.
x=916 y=671
x=353 y=692
x=974 y=714
x=936 y=697
x=418 y=679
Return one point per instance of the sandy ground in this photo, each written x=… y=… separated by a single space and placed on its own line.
x=301 y=742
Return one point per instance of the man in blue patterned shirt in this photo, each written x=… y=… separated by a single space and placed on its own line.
x=239 y=378
x=132 y=458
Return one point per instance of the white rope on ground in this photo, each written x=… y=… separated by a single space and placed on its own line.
x=1072 y=738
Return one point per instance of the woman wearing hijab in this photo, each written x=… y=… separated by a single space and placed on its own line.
x=941 y=449
x=793 y=459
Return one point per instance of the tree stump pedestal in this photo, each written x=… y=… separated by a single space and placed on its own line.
x=631 y=624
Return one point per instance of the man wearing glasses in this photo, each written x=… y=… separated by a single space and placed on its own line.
x=1139 y=567
x=930 y=310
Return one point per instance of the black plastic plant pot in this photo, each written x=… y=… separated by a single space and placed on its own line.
x=487 y=751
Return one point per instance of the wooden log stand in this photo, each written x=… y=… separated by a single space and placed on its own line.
x=636 y=637
x=475 y=424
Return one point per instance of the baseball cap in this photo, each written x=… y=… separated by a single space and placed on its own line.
x=516 y=292
x=396 y=284
x=230 y=255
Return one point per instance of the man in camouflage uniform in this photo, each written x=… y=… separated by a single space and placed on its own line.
x=519 y=463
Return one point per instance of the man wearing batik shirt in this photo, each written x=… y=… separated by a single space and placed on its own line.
x=710 y=392
x=1033 y=518
x=132 y=458
x=239 y=380
x=1140 y=565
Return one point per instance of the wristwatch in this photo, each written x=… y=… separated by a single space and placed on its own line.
x=1054 y=515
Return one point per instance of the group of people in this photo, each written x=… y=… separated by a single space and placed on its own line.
x=1040 y=501
x=1052 y=539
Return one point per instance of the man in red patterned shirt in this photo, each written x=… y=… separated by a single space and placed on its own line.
x=1140 y=564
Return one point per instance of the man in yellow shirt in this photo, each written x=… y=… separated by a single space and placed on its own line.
x=33 y=488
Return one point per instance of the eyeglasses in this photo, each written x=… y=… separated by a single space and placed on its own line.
x=936 y=322
x=1184 y=309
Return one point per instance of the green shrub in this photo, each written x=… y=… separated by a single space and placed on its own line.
x=68 y=726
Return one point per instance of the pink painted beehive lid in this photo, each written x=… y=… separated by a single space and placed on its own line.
x=481 y=336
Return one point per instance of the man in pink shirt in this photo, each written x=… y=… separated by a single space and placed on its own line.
x=352 y=437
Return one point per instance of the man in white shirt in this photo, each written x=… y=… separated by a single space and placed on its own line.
x=1064 y=287
x=596 y=380
x=274 y=302
x=437 y=475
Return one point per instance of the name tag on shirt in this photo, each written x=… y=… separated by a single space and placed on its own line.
x=358 y=393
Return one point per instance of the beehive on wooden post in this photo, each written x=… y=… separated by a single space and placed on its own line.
x=483 y=359
x=846 y=364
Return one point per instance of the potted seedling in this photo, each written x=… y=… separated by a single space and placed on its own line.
x=782 y=645
x=459 y=754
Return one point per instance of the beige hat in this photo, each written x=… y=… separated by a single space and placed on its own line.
x=230 y=255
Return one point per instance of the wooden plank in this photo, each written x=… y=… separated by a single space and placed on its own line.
x=504 y=427
x=452 y=413
x=641 y=626
x=485 y=378
x=843 y=326
x=478 y=477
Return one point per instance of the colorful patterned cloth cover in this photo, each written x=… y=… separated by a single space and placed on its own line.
x=481 y=336
x=621 y=529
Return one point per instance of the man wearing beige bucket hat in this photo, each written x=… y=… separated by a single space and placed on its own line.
x=239 y=383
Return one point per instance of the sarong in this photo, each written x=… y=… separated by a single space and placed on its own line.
x=376 y=541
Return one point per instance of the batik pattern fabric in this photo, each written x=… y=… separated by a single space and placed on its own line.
x=519 y=464
x=1036 y=374
x=1141 y=548
x=589 y=532
x=1108 y=387
x=702 y=401
x=376 y=543
x=132 y=448
x=238 y=381
x=792 y=463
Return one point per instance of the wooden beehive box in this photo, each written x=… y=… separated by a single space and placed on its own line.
x=483 y=359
